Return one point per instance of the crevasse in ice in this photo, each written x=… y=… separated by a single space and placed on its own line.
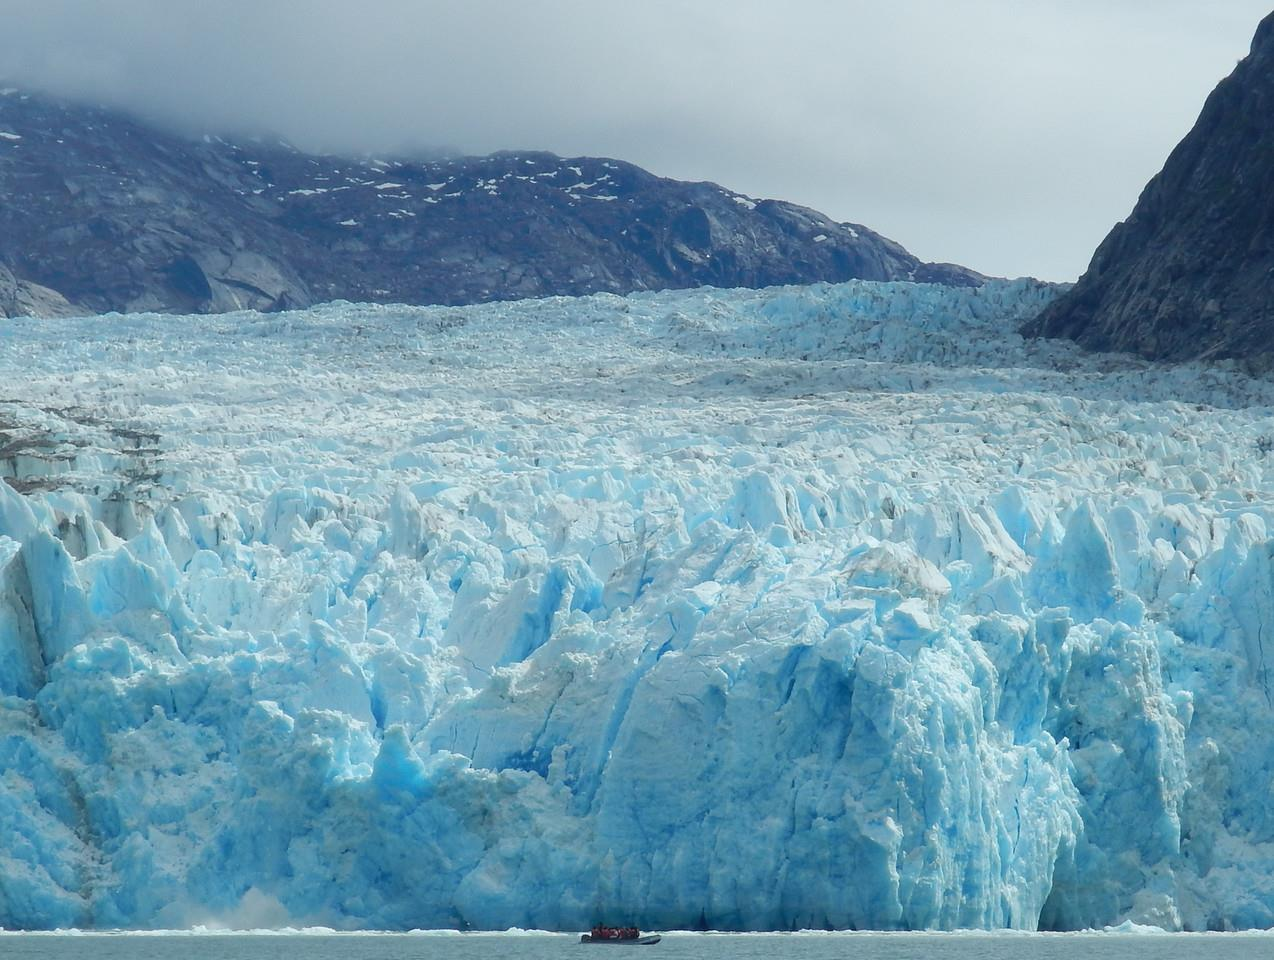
x=837 y=606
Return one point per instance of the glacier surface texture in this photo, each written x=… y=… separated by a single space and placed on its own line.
x=838 y=606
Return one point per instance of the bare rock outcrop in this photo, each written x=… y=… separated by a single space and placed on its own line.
x=1190 y=274
x=115 y=214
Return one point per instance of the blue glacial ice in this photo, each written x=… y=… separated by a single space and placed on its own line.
x=838 y=606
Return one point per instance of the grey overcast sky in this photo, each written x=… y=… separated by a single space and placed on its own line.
x=1007 y=135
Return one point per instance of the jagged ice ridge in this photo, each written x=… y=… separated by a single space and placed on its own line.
x=838 y=606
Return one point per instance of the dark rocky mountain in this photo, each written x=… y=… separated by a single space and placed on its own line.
x=103 y=212
x=1190 y=274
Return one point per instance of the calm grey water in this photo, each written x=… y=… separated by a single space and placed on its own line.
x=850 y=946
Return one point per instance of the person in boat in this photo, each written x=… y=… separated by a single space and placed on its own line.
x=602 y=932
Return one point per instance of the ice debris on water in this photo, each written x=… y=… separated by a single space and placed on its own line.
x=837 y=606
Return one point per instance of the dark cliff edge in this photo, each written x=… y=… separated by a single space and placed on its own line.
x=103 y=212
x=1190 y=274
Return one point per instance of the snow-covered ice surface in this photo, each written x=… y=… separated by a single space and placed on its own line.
x=837 y=606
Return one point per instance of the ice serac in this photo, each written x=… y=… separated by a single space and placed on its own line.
x=834 y=606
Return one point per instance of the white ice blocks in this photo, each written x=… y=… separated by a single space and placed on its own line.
x=833 y=606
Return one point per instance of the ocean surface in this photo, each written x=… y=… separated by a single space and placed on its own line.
x=685 y=946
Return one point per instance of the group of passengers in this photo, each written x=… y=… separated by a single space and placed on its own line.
x=600 y=932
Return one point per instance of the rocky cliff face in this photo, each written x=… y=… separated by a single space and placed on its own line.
x=1190 y=274
x=109 y=214
x=20 y=298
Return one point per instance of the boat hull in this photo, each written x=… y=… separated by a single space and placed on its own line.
x=630 y=942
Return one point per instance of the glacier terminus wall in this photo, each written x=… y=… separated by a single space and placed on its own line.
x=825 y=607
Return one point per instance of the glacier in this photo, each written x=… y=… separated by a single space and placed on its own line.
x=821 y=607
